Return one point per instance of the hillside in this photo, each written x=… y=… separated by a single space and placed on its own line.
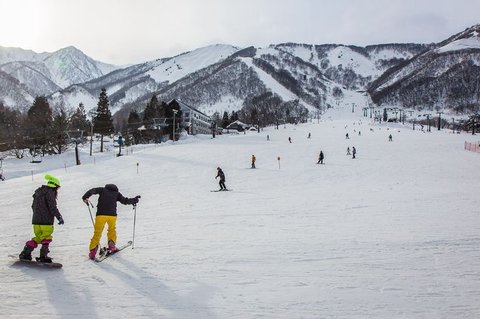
x=218 y=78
x=443 y=78
x=46 y=73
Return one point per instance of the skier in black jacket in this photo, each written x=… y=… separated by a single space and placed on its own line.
x=106 y=214
x=45 y=211
x=222 y=179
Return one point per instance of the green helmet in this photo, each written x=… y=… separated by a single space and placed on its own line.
x=52 y=181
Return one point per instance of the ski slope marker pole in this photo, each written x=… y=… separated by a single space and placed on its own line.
x=134 y=222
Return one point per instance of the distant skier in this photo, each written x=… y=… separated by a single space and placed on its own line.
x=346 y=136
x=45 y=211
x=253 y=161
x=320 y=158
x=268 y=137
x=309 y=135
x=106 y=214
x=289 y=139
x=348 y=150
x=354 y=151
x=390 y=138
x=222 y=179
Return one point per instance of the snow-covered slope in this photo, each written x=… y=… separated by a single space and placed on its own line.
x=70 y=65
x=45 y=73
x=181 y=65
x=446 y=76
x=136 y=82
x=390 y=234
x=36 y=74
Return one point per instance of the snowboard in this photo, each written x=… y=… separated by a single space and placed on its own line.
x=104 y=253
x=36 y=263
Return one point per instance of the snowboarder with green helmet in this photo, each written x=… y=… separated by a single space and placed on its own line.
x=45 y=211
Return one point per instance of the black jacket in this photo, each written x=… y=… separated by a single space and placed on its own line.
x=107 y=201
x=221 y=175
x=44 y=206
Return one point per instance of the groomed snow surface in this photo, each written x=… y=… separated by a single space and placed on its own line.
x=394 y=233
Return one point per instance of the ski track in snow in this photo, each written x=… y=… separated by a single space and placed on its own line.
x=393 y=233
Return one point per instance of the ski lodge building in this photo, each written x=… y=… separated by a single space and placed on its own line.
x=194 y=121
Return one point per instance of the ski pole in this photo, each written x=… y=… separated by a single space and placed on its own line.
x=134 y=222
x=90 y=211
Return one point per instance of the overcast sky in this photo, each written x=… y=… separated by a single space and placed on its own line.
x=134 y=31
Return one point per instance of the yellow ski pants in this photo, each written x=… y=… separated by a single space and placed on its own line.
x=43 y=233
x=100 y=222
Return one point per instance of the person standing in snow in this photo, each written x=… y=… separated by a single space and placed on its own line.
x=45 y=211
x=106 y=214
x=289 y=139
x=348 y=150
x=253 y=161
x=320 y=158
x=354 y=151
x=222 y=179
x=390 y=138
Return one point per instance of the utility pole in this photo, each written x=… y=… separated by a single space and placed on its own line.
x=174 y=113
x=439 y=119
x=91 y=137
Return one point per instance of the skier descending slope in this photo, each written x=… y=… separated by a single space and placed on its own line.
x=222 y=179
x=44 y=208
x=106 y=214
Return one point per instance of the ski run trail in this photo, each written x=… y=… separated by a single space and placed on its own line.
x=394 y=233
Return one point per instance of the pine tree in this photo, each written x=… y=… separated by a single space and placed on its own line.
x=132 y=135
x=38 y=125
x=162 y=109
x=225 y=120
x=58 y=140
x=151 y=111
x=11 y=130
x=233 y=117
x=103 y=122
x=79 y=121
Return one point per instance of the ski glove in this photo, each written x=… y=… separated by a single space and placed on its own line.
x=135 y=200
x=60 y=220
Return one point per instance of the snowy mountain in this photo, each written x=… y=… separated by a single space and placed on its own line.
x=12 y=92
x=446 y=76
x=129 y=84
x=221 y=78
x=294 y=72
x=46 y=73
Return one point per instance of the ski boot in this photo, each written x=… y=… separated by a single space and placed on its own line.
x=92 y=253
x=111 y=247
x=43 y=254
x=26 y=253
